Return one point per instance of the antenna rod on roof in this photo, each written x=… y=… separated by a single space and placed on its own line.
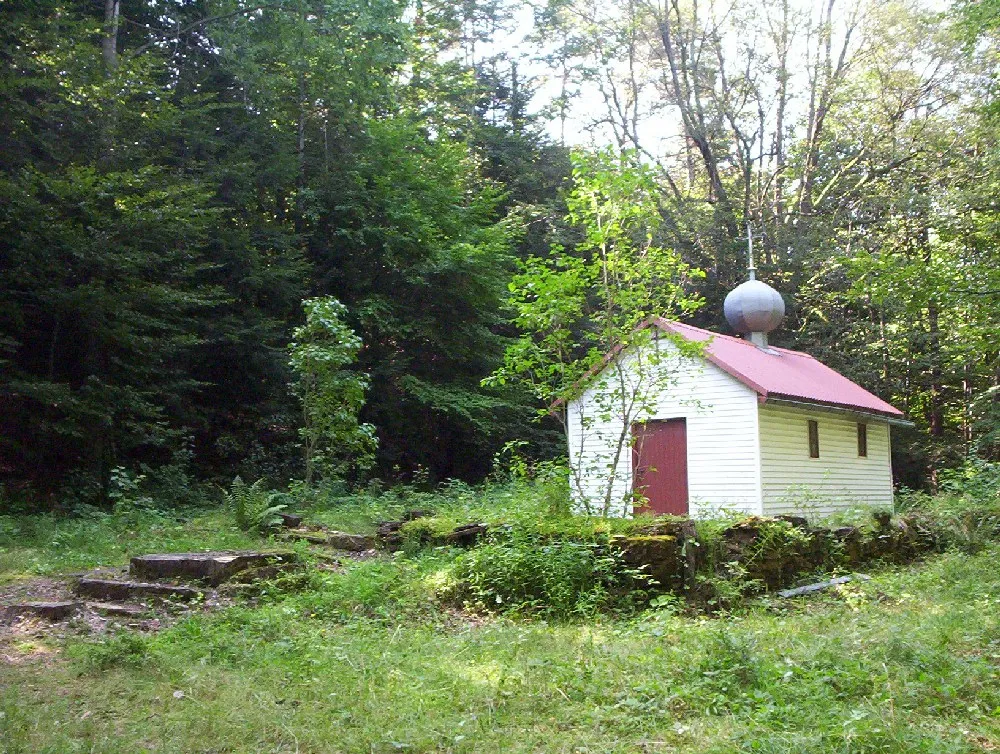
x=751 y=269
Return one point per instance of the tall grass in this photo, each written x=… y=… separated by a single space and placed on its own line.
x=906 y=663
x=44 y=544
x=966 y=512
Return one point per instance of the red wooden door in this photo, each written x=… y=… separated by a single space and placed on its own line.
x=659 y=466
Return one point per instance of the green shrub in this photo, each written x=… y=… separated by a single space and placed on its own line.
x=427 y=530
x=454 y=501
x=394 y=590
x=976 y=479
x=525 y=572
x=966 y=513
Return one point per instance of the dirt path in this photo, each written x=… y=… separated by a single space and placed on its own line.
x=27 y=638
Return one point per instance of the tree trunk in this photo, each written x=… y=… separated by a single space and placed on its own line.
x=778 y=207
x=684 y=83
x=109 y=43
x=826 y=79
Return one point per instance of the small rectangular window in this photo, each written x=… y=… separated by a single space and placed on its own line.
x=862 y=440
x=813 y=439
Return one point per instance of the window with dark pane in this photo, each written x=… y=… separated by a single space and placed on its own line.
x=862 y=440
x=813 y=439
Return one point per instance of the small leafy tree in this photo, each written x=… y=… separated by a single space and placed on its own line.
x=334 y=441
x=575 y=308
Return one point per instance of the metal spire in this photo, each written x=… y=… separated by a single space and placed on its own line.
x=751 y=269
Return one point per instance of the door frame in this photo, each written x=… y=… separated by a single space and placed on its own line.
x=646 y=510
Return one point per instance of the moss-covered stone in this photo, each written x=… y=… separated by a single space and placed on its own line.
x=660 y=556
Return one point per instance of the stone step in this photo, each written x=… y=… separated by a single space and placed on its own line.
x=118 y=609
x=111 y=590
x=338 y=540
x=51 y=611
x=352 y=542
x=212 y=568
x=467 y=535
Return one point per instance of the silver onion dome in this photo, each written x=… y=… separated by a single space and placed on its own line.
x=754 y=307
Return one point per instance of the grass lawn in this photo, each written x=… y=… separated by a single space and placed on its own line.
x=47 y=544
x=369 y=661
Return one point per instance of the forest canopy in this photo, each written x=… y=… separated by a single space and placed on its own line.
x=176 y=178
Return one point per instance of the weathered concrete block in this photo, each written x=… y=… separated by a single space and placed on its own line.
x=799 y=522
x=51 y=611
x=673 y=528
x=772 y=550
x=883 y=519
x=414 y=514
x=466 y=535
x=119 y=591
x=304 y=535
x=739 y=537
x=388 y=527
x=388 y=536
x=915 y=532
x=850 y=539
x=209 y=567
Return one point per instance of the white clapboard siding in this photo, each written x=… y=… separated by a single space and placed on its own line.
x=723 y=453
x=838 y=480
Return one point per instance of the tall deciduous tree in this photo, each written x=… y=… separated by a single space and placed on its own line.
x=575 y=308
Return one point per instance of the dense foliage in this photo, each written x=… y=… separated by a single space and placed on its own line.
x=332 y=394
x=177 y=177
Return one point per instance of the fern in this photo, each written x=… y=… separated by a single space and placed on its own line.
x=254 y=507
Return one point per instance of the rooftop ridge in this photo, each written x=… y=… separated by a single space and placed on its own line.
x=670 y=323
x=803 y=376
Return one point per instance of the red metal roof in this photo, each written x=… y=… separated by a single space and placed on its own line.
x=780 y=373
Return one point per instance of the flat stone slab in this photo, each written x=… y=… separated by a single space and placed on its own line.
x=305 y=535
x=117 y=609
x=467 y=535
x=353 y=542
x=111 y=590
x=51 y=611
x=338 y=540
x=209 y=567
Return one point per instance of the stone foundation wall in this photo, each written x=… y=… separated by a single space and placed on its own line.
x=774 y=552
x=683 y=557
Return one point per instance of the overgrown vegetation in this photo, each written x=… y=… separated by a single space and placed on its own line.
x=968 y=508
x=534 y=640
x=522 y=572
x=367 y=661
x=336 y=445
x=43 y=544
x=188 y=187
